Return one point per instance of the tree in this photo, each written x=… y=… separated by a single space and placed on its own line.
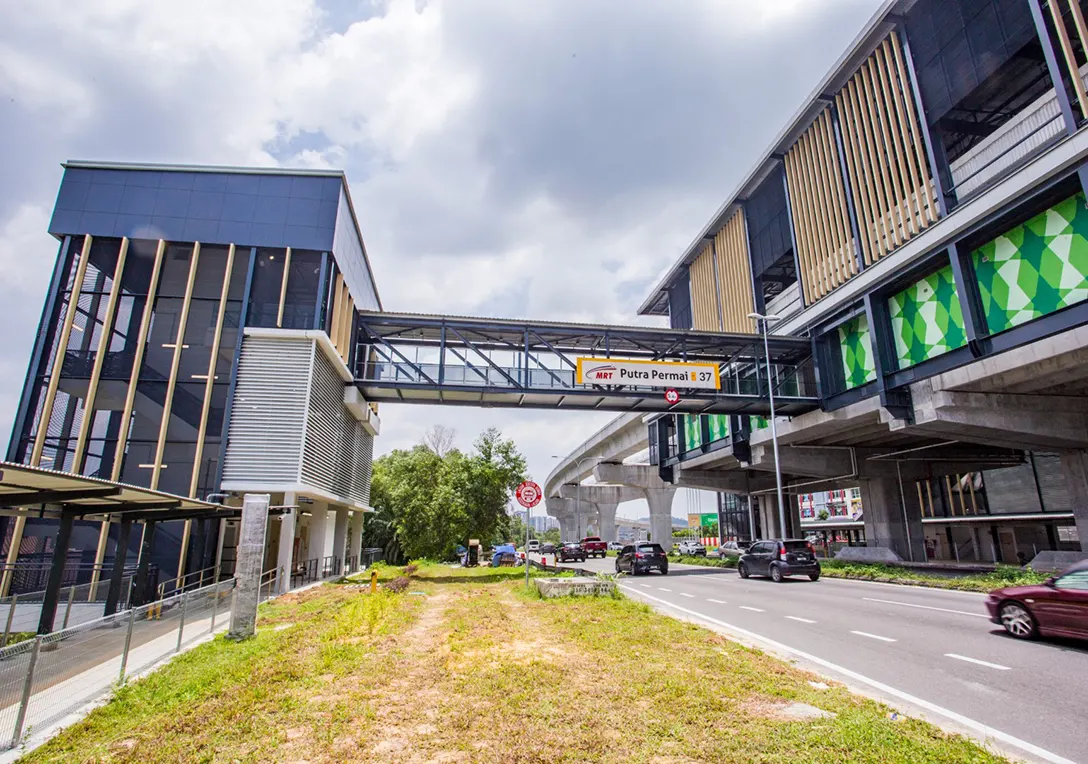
x=550 y=536
x=823 y=515
x=434 y=503
x=440 y=440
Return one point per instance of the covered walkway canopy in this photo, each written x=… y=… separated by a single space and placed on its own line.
x=456 y=360
x=67 y=497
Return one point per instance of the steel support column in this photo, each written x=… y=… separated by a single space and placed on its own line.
x=117 y=577
x=56 y=573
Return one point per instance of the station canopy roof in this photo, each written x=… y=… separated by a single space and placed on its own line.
x=26 y=487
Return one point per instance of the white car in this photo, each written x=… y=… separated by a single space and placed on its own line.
x=692 y=548
x=534 y=546
x=614 y=546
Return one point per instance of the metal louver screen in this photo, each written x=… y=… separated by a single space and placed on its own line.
x=338 y=452
x=269 y=411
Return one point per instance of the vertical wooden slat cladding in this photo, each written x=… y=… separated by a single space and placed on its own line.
x=734 y=275
x=885 y=156
x=1056 y=13
x=704 y=299
x=825 y=243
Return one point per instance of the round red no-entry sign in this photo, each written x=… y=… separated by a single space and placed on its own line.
x=528 y=494
x=672 y=396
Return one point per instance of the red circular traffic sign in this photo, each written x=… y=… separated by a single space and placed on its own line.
x=528 y=494
x=672 y=396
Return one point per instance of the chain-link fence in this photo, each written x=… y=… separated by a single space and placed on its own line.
x=49 y=677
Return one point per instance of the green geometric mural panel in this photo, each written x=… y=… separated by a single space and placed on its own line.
x=719 y=426
x=926 y=319
x=758 y=423
x=693 y=433
x=1036 y=268
x=858 y=362
x=693 y=436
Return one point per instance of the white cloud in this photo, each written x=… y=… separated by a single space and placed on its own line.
x=507 y=159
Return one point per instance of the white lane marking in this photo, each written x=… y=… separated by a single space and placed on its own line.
x=982 y=729
x=663 y=589
x=916 y=587
x=646 y=586
x=685 y=594
x=753 y=609
x=997 y=666
x=926 y=607
x=716 y=602
x=798 y=618
x=873 y=636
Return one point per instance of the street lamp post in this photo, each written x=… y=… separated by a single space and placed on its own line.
x=764 y=322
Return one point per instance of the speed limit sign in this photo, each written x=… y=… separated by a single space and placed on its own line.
x=672 y=397
x=528 y=494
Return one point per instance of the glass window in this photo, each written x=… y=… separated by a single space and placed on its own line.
x=303 y=285
x=209 y=272
x=1077 y=581
x=139 y=263
x=174 y=276
x=264 y=300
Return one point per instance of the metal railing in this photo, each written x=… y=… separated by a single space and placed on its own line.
x=44 y=679
x=195 y=580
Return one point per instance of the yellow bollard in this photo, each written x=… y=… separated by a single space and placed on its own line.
x=373 y=581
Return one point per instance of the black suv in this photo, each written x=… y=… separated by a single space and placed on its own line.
x=572 y=550
x=642 y=558
x=779 y=558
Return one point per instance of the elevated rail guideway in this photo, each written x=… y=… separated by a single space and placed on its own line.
x=408 y=358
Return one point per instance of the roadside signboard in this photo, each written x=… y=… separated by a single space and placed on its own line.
x=528 y=494
x=620 y=371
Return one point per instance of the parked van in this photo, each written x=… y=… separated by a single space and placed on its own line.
x=534 y=545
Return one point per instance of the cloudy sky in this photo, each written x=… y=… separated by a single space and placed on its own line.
x=539 y=158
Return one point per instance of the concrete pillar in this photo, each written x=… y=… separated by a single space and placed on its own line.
x=340 y=536
x=890 y=524
x=1075 y=470
x=247 y=571
x=660 y=502
x=568 y=528
x=606 y=512
x=318 y=541
x=356 y=545
x=285 y=561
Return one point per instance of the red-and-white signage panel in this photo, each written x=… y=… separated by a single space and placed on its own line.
x=528 y=494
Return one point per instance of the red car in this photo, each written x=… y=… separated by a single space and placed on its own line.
x=1057 y=608
x=594 y=546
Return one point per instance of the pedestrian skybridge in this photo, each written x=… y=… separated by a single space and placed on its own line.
x=408 y=358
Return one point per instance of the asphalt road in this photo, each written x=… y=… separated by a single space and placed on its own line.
x=928 y=652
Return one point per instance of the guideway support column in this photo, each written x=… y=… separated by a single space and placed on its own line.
x=892 y=520
x=657 y=492
x=603 y=499
x=1075 y=470
x=285 y=563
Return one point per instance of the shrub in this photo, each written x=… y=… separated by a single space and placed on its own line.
x=410 y=570
x=398 y=585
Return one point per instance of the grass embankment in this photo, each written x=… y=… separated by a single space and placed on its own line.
x=469 y=666
x=1005 y=575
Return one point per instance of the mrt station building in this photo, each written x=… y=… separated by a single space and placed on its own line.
x=922 y=219
x=196 y=338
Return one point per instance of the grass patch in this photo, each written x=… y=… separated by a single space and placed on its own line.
x=16 y=637
x=480 y=669
x=1004 y=575
x=707 y=562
